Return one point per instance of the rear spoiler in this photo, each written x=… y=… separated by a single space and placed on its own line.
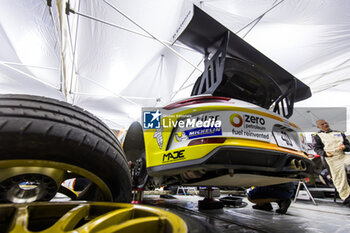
x=204 y=34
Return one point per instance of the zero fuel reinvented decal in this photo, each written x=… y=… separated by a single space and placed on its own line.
x=250 y=126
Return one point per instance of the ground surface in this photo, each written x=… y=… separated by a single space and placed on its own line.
x=302 y=216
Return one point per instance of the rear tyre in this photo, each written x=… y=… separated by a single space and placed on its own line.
x=134 y=147
x=44 y=142
x=134 y=143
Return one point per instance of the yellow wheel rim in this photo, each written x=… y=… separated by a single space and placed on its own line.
x=57 y=171
x=79 y=217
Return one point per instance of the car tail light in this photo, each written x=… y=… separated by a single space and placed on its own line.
x=196 y=100
x=206 y=141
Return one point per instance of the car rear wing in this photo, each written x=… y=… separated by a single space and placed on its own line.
x=204 y=34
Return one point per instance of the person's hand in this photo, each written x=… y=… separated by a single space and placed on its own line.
x=329 y=154
x=341 y=147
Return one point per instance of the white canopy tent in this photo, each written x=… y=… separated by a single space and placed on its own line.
x=114 y=57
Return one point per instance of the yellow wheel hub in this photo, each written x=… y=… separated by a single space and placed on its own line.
x=47 y=172
x=79 y=217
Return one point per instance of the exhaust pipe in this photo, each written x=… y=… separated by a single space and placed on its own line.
x=302 y=165
x=294 y=164
x=297 y=165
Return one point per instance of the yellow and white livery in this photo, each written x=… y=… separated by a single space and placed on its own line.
x=220 y=141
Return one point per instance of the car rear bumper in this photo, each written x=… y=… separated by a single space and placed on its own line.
x=243 y=160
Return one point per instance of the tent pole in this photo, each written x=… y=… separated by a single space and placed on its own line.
x=107 y=89
x=57 y=31
x=127 y=97
x=189 y=76
x=60 y=7
x=127 y=29
x=258 y=18
x=73 y=52
x=164 y=44
x=28 y=75
x=33 y=66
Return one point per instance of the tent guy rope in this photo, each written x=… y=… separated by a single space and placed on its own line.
x=151 y=35
x=29 y=76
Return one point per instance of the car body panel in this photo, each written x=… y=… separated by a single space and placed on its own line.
x=170 y=144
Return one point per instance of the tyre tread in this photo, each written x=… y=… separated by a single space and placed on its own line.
x=42 y=128
x=42 y=108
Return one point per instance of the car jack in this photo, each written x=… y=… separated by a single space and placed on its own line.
x=137 y=195
x=209 y=202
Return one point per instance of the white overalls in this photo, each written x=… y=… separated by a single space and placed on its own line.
x=331 y=142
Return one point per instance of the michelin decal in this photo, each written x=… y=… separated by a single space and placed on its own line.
x=203 y=132
x=201 y=126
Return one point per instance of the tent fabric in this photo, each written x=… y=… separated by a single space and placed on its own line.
x=115 y=68
x=30 y=49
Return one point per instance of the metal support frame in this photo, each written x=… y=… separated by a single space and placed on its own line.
x=285 y=103
x=209 y=202
x=183 y=84
x=151 y=35
x=307 y=191
x=214 y=69
x=109 y=90
x=28 y=75
x=185 y=190
x=137 y=196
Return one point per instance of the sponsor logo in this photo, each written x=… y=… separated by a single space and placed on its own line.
x=171 y=156
x=203 y=132
x=249 y=126
x=158 y=135
x=180 y=136
x=236 y=120
x=254 y=119
x=248 y=121
x=151 y=119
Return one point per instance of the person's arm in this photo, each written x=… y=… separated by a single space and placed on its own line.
x=318 y=145
x=346 y=143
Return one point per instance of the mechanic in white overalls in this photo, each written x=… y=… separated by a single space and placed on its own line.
x=331 y=145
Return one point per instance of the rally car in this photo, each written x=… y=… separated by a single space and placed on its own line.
x=233 y=130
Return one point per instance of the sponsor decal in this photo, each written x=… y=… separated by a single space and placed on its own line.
x=158 y=135
x=236 y=120
x=249 y=126
x=180 y=136
x=203 y=132
x=256 y=135
x=248 y=121
x=151 y=119
x=171 y=156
